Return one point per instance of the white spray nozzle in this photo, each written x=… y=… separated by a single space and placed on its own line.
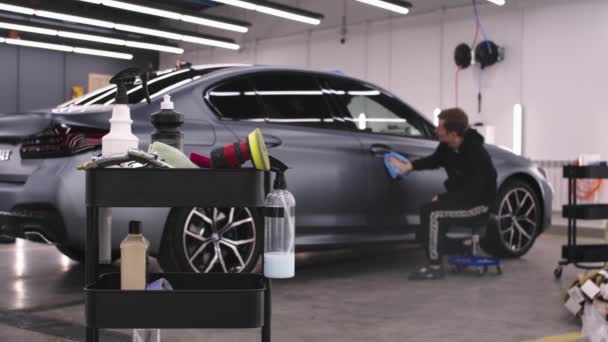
x=167 y=104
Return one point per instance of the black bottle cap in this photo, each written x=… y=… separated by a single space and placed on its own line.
x=135 y=227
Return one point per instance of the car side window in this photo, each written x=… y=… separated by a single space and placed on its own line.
x=373 y=111
x=235 y=100
x=291 y=98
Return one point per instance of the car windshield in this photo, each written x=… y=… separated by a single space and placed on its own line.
x=162 y=82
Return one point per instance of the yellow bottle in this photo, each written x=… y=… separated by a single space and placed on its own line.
x=133 y=258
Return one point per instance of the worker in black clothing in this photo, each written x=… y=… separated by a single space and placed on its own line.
x=470 y=187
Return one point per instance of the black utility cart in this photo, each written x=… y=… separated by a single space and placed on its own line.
x=572 y=253
x=239 y=301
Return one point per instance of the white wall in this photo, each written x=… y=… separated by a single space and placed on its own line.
x=555 y=65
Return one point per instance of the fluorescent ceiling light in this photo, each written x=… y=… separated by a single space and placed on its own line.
x=142 y=9
x=95 y=52
x=25 y=28
x=214 y=23
x=75 y=19
x=66 y=48
x=238 y=3
x=282 y=11
x=171 y=15
x=17 y=9
x=497 y=2
x=150 y=32
x=212 y=42
x=91 y=38
x=288 y=15
x=120 y=27
x=40 y=45
x=155 y=47
x=402 y=7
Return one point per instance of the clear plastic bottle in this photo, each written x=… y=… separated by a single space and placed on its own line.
x=279 y=246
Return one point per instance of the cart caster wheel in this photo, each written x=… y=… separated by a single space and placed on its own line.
x=481 y=271
x=558 y=272
x=498 y=270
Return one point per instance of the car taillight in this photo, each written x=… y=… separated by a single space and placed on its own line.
x=60 y=141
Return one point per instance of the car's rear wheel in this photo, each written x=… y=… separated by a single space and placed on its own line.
x=207 y=240
x=517 y=221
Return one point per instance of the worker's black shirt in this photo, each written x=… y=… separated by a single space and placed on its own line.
x=471 y=174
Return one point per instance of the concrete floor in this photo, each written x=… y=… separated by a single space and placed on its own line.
x=354 y=295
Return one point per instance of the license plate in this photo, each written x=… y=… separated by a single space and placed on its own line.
x=5 y=155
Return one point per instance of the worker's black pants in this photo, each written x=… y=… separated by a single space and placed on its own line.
x=435 y=220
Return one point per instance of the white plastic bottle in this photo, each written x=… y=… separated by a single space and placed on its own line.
x=118 y=141
x=279 y=232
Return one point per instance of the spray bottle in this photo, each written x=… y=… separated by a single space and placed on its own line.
x=279 y=246
x=167 y=123
x=118 y=141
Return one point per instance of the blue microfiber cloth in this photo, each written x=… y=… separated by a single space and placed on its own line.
x=393 y=171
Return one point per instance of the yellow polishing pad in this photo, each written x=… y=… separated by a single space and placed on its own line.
x=257 y=147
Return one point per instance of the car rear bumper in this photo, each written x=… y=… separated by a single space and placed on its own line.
x=39 y=224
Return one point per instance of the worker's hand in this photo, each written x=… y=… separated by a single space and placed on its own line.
x=403 y=167
x=435 y=199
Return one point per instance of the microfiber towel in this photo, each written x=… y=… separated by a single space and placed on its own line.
x=392 y=170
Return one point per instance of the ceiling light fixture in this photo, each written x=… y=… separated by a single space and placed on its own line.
x=25 y=28
x=66 y=48
x=40 y=45
x=155 y=47
x=90 y=38
x=205 y=41
x=277 y=10
x=203 y=20
x=95 y=52
x=208 y=40
x=399 y=6
x=74 y=19
x=17 y=9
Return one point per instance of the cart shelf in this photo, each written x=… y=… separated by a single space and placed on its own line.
x=198 y=301
x=573 y=253
x=175 y=187
x=586 y=211
x=592 y=171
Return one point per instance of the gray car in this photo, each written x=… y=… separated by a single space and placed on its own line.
x=331 y=129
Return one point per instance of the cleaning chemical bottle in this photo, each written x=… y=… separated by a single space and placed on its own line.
x=133 y=257
x=133 y=274
x=279 y=254
x=118 y=141
x=167 y=123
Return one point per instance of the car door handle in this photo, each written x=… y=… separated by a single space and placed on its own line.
x=272 y=141
x=380 y=150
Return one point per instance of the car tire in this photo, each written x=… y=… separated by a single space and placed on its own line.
x=72 y=253
x=516 y=221
x=194 y=236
